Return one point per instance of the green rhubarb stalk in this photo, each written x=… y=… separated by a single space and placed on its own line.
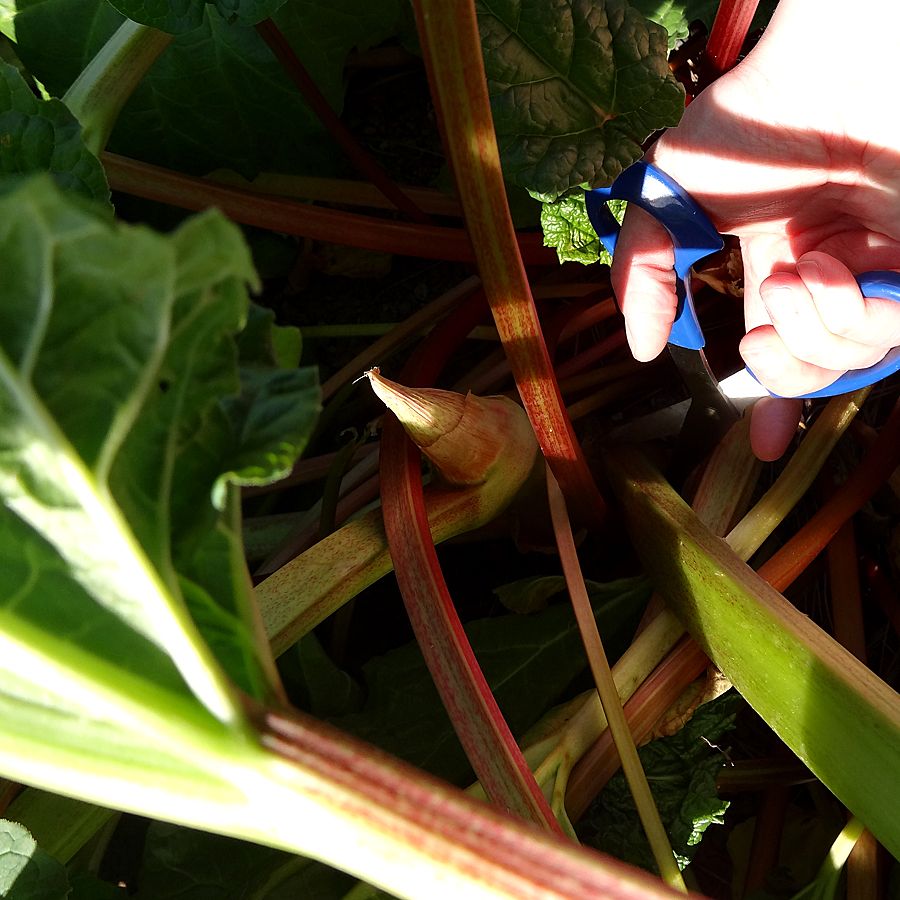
x=448 y=33
x=800 y=472
x=313 y=585
x=98 y=94
x=832 y=711
x=825 y=884
x=608 y=693
x=556 y=745
x=300 y=786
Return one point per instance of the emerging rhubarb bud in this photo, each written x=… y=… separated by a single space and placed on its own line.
x=469 y=439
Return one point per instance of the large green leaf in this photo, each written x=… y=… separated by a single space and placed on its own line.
x=217 y=97
x=179 y=16
x=43 y=136
x=183 y=864
x=117 y=354
x=575 y=88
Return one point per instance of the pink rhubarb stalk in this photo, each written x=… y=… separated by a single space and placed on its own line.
x=448 y=34
x=484 y=734
x=293 y=217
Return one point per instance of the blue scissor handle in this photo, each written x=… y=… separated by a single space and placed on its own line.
x=695 y=237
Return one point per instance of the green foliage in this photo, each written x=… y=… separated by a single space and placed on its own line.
x=681 y=770
x=179 y=16
x=567 y=228
x=26 y=872
x=240 y=111
x=121 y=443
x=575 y=89
x=528 y=662
x=676 y=15
x=43 y=136
x=182 y=864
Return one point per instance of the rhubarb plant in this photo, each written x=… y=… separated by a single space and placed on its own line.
x=293 y=717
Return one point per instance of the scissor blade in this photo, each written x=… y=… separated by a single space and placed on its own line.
x=710 y=414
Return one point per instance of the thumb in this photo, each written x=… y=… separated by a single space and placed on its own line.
x=773 y=424
x=644 y=283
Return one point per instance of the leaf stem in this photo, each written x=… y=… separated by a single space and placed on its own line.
x=451 y=45
x=293 y=217
x=748 y=535
x=364 y=163
x=609 y=695
x=727 y=36
x=781 y=570
x=97 y=95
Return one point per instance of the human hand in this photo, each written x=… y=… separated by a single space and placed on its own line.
x=806 y=172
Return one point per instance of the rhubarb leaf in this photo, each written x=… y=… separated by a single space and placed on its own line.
x=241 y=112
x=117 y=355
x=183 y=864
x=575 y=89
x=26 y=871
x=179 y=16
x=676 y=15
x=7 y=15
x=682 y=771
x=528 y=662
x=43 y=136
x=568 y=229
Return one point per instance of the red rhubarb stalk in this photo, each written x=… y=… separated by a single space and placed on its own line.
x=448 y=33
x=293 y=217
x=364 y=163
x=729 y=31
x=477 y=719
x=781 y=570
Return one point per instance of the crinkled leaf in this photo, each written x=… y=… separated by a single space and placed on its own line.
x=217 y=97
x=676 y=15
x=26 y=871
x=179 y=16
x=682 y=771
x=575 y=88
x=43 y=136
x=182 y=864
x=568 y=229
x=527 y=660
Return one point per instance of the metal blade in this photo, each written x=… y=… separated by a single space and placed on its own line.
x=710 y=414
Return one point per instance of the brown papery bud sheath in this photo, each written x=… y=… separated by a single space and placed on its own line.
x=465 y=437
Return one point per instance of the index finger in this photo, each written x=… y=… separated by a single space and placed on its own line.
x=644 y=283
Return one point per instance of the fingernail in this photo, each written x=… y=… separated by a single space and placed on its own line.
x=778 y=295
x=809 y=270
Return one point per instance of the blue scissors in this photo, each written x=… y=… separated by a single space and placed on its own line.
x=694 y=237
